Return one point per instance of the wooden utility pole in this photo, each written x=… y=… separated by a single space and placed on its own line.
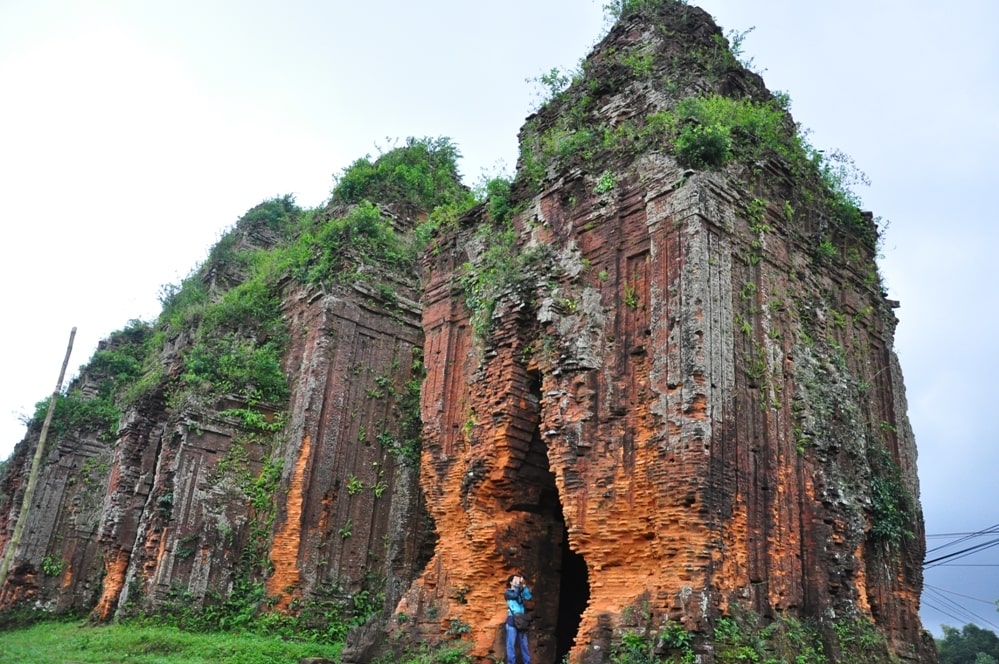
x=36 y=464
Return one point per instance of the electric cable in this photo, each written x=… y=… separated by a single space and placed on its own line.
x=955 y=610
x=940 y=599
x=962 y=537
x=951 y=592
x=961 y=554
x=960 y=620
x=949 y=603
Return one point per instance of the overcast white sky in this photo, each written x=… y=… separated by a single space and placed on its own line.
x=132 y=134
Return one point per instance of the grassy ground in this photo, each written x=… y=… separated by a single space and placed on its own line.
x=79 y=643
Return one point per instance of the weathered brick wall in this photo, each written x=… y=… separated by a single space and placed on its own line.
x=692 y=387
x=166 y=512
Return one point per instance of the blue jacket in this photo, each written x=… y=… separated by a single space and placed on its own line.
x=515 y=600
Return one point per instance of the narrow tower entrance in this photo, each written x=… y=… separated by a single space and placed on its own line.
x=561 y=578
x=574 y=593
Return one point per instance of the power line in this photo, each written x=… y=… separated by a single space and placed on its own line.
x=942 y=600
x=961 y=620
x=942 y=535
x=961 y=554
x=948 y=607
x=962 y=537
x=944 y=590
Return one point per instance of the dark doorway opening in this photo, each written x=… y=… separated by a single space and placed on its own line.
x=574 y=593
x=567 y=576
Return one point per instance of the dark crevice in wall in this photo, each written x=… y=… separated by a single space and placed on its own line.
x=560 y=576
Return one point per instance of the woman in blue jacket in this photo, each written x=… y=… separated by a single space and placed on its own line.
x=515 y=595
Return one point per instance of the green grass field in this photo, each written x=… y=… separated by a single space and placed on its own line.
x=79 y=643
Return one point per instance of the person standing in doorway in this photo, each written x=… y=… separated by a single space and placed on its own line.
x=516 y=594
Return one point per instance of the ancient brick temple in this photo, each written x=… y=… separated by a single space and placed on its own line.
x=659 y=384
x=675 y=417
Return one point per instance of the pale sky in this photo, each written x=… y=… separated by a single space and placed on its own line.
x=133 y=134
